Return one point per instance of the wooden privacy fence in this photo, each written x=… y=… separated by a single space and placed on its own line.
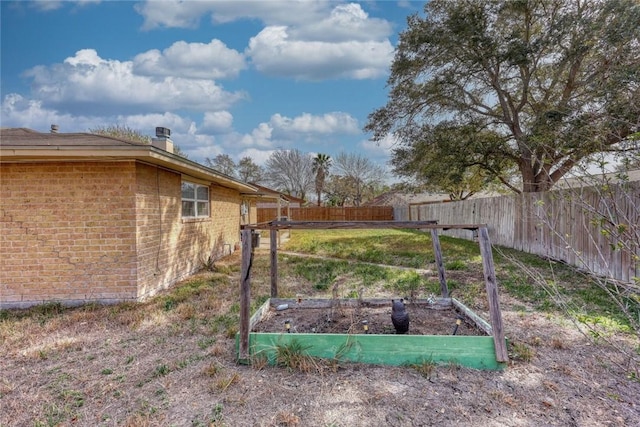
x=595 y=229
x=319 y=213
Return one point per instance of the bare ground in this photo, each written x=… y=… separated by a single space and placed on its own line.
x=172 y=363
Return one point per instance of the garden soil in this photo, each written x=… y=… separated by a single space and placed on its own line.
x=343 y=319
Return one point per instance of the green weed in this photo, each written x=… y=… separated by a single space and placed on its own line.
x=425 y=367
x=522 y=352
x=205 y=343
x=293 y=355
x=408 y=284
x=161 y=371
x=456 y=265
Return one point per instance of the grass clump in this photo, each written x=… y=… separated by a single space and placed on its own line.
x=293 y=356
x=522 y=352
x=425 y=367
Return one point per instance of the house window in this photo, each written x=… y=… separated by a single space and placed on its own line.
x=195 y=200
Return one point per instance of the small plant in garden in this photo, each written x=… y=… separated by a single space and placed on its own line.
x=216 y=415
x=206 y=342
x=425 y=367
x=293 y=355
x=522 y=352
x=207 y=263
x=259 y=361
x=409 y=284
x=287 y=418
x=169 y=304
x=456 y=265
x=225 y=382
x=557 y=343
x=213 y=369
x=161 y=371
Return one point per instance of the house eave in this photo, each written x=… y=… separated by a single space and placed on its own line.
x=148 y=154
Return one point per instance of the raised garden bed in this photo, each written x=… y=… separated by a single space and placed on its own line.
x=335 y=329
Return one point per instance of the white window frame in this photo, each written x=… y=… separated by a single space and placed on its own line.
x=200 y=206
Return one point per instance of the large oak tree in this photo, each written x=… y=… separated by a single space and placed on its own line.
x=535 y=85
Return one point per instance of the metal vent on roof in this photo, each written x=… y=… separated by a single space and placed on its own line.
x=163 y=132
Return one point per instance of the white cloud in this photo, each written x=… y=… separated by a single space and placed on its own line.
x=88 y=83
x=329 y=123
x=173 y=13
x=18 y=111
x=147 y=123
x=259 y=137
x=309 y=40
x=197 y=146
x=217 y=122
x=284 y=131
x=380 y=148
x=346 y=22
x=187 y=14
x=406 y=4
x=47 y=5
x=198 y=141
x=274 y=53
x=191 y=60
x=259 y=157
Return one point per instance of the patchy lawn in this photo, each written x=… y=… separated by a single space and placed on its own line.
x=171 y=361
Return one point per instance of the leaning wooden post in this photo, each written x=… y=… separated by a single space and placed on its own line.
x=439 y=263
x=492 y=295
x=245 y=294
x=274 y=261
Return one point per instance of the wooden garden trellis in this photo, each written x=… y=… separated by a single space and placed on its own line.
x=485 y=251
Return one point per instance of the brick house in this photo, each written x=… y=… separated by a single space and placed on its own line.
x=86 y=217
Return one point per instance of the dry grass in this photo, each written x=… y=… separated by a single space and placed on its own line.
x=171 y=361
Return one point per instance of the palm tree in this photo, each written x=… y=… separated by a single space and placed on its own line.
x=321 y=166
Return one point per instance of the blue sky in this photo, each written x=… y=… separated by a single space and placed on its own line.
x=235 y=77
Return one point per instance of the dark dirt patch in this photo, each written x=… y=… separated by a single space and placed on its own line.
x=349 y=320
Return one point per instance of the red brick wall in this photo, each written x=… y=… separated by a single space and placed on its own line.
x=67 y=232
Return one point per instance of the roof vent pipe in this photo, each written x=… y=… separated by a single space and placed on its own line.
x=163 y=132
x=163 y=140
x=54 y=128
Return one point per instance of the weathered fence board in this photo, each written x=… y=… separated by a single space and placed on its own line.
x=565 y=225
x=317 y=213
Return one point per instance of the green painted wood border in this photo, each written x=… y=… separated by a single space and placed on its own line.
x=477 y=352
x=471 y=351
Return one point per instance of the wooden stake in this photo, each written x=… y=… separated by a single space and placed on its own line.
x=439 y=263
x=492 y=295
x=245 y=293
x=273 y=236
